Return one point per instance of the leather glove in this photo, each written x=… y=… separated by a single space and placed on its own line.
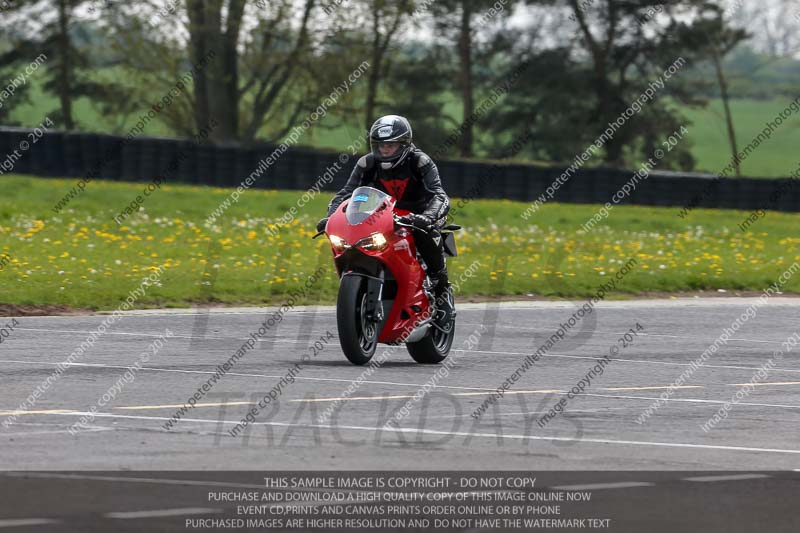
x=322 y=223
x=418 y=221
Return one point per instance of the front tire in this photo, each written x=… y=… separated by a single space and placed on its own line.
x=358 y=337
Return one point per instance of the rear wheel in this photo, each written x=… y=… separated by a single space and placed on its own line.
x=435 y=346
x=358 y=336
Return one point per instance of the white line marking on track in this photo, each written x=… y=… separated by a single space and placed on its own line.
x=598 y=410
x=606 y=332
x=280 y=340
x=702 y=339
x=34 y=412
x=19 y=434
x=456 y=433
x=136 y=480
x=21 y=522
x=654 y=303
x=189 y=482
x=614 y=396
x=642 y=361
x=401 y=384
x=656 y=387
x=179 y=405
x=511 y=306
x=687 y=400
x=601 y=486
x=539 y=305
x=162 y=512
x=153 y=335
x=764 y=384
x=240 y=374
x=401 y=396
x=193 y=312
x=732 y=477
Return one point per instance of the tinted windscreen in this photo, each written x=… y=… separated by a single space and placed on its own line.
x=363 y=203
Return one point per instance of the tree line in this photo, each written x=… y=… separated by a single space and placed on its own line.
x=577 y=67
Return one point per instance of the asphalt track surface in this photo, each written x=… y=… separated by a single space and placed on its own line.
x=598 y=431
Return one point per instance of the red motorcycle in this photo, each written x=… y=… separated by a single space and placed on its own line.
x=385 y=294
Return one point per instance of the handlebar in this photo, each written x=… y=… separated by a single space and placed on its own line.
x=397 y=222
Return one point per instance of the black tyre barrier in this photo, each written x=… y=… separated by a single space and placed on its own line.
x=77 y=155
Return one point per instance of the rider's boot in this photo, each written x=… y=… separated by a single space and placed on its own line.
x=443 y=294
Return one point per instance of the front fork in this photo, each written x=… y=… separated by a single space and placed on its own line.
x=374 y=307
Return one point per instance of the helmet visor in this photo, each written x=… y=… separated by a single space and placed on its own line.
x=388 y=149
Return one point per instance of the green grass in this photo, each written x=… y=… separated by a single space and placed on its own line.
x=82 y=258
x=708 y=133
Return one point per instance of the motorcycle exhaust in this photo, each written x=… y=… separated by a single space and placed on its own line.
x=419 y=332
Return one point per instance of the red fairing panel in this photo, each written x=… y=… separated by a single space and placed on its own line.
x=399 y=257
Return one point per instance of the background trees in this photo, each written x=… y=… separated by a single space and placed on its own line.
x=577 y=64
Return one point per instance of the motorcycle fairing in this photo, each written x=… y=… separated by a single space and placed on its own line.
x=411 y=305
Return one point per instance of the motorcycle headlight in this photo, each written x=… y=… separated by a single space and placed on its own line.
x=339 y=244
x=376 y=241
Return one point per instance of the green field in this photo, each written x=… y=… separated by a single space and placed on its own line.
x=81 y=258
x=87 y=116
x=707 y=132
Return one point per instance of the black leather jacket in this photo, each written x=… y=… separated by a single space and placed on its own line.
x=415 y=184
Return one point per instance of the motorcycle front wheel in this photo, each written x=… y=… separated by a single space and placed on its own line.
x=358 y=336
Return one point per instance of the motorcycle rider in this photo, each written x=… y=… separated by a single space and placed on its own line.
x=405 y=172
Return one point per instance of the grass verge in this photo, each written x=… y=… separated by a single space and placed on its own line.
x=81 y=258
